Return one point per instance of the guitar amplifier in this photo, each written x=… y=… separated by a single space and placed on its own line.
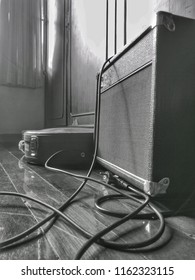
x=147 y=109
x=76 y=144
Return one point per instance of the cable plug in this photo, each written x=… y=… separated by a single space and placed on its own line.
x=108 y=177
x=122 y=183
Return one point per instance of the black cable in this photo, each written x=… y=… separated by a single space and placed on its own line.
x=103 y=199
x=97 y=237
x=53 y=216
x=125 y=246
x=141 y=216
x=110 y=244
x=127 y=217
x=58 y=212
x=83 y=231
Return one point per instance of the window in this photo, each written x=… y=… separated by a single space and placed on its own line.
x=125 y=20
x=20 y=43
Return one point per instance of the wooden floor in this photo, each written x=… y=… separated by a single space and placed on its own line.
x=62 y=241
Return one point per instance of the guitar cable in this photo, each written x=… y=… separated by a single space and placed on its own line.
x=97 y=238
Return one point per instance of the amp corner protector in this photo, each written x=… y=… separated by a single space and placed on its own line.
x=156 y=188
x=167 y=20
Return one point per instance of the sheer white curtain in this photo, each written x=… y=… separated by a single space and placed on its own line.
x=20 y=43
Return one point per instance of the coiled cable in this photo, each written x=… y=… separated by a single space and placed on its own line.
x=53 y=217
x=97 y=237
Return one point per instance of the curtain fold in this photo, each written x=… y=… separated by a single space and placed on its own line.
x=20 y=43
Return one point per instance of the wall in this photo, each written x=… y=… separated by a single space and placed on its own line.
x=21 y=109
x=180 y=7
x=141 y=13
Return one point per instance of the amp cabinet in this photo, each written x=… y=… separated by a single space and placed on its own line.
x=147 y=109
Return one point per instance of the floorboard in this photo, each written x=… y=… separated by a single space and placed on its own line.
x=62 y=240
